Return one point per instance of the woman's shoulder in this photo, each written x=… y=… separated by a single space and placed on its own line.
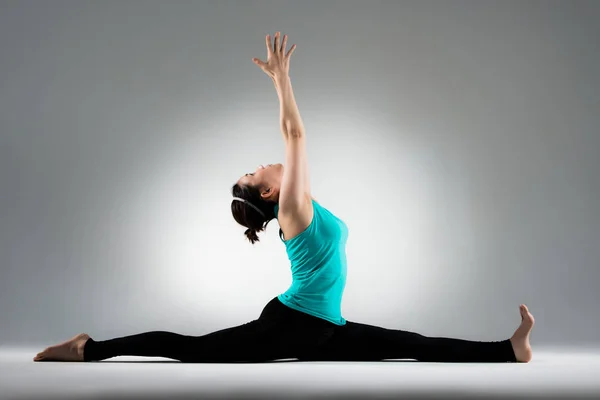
x=294 y=223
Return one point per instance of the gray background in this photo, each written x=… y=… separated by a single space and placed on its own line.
x=457 y=139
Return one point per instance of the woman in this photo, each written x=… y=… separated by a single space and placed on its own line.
x=305 y=322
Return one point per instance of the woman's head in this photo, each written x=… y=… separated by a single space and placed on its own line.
x=261 y=189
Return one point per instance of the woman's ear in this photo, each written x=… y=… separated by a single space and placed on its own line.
x=266 y=192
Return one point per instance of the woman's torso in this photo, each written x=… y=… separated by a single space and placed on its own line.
x=318 y=262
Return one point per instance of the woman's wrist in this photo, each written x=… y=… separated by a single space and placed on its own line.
x=281 y=80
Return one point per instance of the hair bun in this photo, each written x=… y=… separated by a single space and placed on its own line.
x=251 y=235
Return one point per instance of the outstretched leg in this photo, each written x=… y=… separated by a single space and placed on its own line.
x=251 y=342
x=279 y=332
x=362 y=342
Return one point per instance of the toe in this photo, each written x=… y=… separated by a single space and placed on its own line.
x=523 y=310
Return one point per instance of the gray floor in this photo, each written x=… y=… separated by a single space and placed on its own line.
x=553 y=373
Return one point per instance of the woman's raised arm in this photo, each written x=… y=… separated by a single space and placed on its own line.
x=295 y=182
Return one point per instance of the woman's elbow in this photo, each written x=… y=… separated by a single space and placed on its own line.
x=295 y=133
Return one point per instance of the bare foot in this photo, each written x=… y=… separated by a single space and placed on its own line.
x=520 y=339
x=70 y=350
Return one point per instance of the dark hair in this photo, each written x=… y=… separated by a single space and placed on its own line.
x=246 y=215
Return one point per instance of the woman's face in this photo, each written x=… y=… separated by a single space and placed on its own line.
x=265 y=177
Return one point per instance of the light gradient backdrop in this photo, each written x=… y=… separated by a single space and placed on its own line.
x=458 y=140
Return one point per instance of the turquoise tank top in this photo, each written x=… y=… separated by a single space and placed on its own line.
x=318 y=263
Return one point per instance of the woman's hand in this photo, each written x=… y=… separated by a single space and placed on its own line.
x=278 y=64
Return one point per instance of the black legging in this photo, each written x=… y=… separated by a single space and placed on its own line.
x=282 y=332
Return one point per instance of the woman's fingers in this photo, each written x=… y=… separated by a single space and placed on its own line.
x=275 y=48
x=269 y=48
x=276 y=44
x=275 y=59
x=289 y=53
x=259 y=62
